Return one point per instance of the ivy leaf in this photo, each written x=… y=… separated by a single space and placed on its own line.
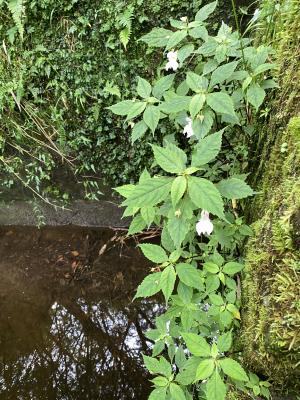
x=207 y=149
x=178 y=189
x=196 y=104
x=196 y=344
x=154 y=253
x=178 y=229
x=205 y=11
x=222 y=73
x=233 y=369
x=189 y=275
x=149 y=286
x=205 y=195
x=167 y=281
x=176 y=392
x=138 y=131
x=143 y=88
x=151 y=117
x=122 y=108
x=171 y=158
x=205 y=369
x=162 y=85
x=221 y=103
x=149 y=192
x=215 y=387
x=158 y=394
x=232 y=268
x=255 y=95
x=234 y=188
x=158 y=37
x=224 y=342
x=136 y=109
x=175 y=38
x=137 y=225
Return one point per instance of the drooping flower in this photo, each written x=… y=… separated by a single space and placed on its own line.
x=172 y=63
x=184 y=19
x=188 y=129
x=204 y=225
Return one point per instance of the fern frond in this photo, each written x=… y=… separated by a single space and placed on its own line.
x=125 y=19
x=16 y=7
x=125 y=36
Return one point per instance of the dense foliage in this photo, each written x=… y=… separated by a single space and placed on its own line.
x=219 y=82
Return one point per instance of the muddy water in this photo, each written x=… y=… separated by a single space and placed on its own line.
x=68 y=328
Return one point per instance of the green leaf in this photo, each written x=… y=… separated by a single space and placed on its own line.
x=196 y=344
x=125 y=190
x=158 y=37
x=221 y=103
x=158 y=394
x=167 y=281
x=136 y=109
x=264 y=67
x=162 y=85
x=211 y=267
x=160 y=381
x=152 y=364
x=205 y=195
x=184 y=52
x=175 y=105
x=215 y=388
x=178 y=229
x=148 y=214
x=255 y=95
x=196 y=104
x=143 y=88
x=205 y=369
x=232 y=268
x=207 y=149
x=122 y=108
x=175 y=38
x=178 y=189
x=137 y=225
x=189 y=275
x=151 y=117
x=176 y=392
x=149 y=286
x=234 y=188
x=216 y=299
x=138 y=131
x=171 y=158
x=205 y=11
x=196 y=82
x=233 y=369
x=225 y=342
x=150 y=192
x=222 y=73
x=154 y=253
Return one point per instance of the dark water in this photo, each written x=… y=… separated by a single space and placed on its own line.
x=68 y=328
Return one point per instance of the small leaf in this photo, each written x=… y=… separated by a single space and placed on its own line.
x=136 y=109
x=143 y=88
x=205 y=369
x=211 y=267
x=137 y=225
x=175 y=105
x=148 y=214
x=233 y=188
x=196 y=344
x=255 y=95
x=232 y=268
x=158 y=394
x=149 y=286
x=178 y=189
x=154 y=253
x=196 y=82
x=196 y=104
x=167 y=281
x=205 y=11
x=138 y=131
x=151 y=117
x=225 y=342
x=233 y=369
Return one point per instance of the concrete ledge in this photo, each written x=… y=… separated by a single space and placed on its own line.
x=95 y=214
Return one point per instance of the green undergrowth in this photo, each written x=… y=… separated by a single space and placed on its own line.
x=271 y=296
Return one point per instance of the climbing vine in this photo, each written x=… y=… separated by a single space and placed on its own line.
x=208 y=88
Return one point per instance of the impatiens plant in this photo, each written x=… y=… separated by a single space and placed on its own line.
x=207 y=106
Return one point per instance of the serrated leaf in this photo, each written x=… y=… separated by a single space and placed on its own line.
x=171 y=158
x=175 y=105
x=233 y=188
x=196 y=82
x=152 y=364
x=205 y=195
x=149 y=286
x=158 y=394
x=205 y=369
x=211 y=267
x=154 y=253
x=143 y=88
x=196 y=344
x=167 y=281
x=176 y=392
x=184 y=52
x=162 y=85
x=148 y=214
x=178 y=189
x=222 y=73
x=207 y=149
x=151 y=117
x=232 y=268
x=196 y=104
x=255 y=95
x=233 y=369
x=158 y=37
x=205 y=11
x=136 y=109
x=149 y=192
x=125 y=190
x=178 y=229
x=138 y=131
x=175 y=38
x=137 y=225
x=215 y=388
x=189 y=276
x=221 y=103
x=224 y=342
x=122 y=108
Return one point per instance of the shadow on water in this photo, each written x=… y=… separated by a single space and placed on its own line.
x=68 y=328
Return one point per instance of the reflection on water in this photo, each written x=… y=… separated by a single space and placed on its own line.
x=65 y=335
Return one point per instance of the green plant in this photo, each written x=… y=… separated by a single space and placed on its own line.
x=219 y=83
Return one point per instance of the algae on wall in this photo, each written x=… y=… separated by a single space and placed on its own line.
x=271 y=292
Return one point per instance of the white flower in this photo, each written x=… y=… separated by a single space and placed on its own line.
x=188 y=129
x=204 y=225
x=183 y=19
x=172 y=63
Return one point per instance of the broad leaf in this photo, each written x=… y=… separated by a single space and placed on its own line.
x=196 y=104
x=233 y=369
x=151 y=117
x=207 y=149
x=143 y=88
x=196 y=344
x=176 y=392
x=158 y=37
x=196 y=82
x=178 y=229
x=158 y=394
x=224 y=342
x=138 y=131
x=167 y=281
x=122 y=108
x=255 y=95
x=215 y=388
x=175 y=105
x=234 y=188
x=205 y=11
x=154 y=253
x=175 y=38
x=221 y=103
x=205 y=369
x=222 y=73
x=162 y=85
x=137 y=225
x=189 y=275
x=136 y=109
x=150 y=192
x=148 y=214
x=171 y=158
x=149 y=286
x=232 y=268
x=178 y=189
